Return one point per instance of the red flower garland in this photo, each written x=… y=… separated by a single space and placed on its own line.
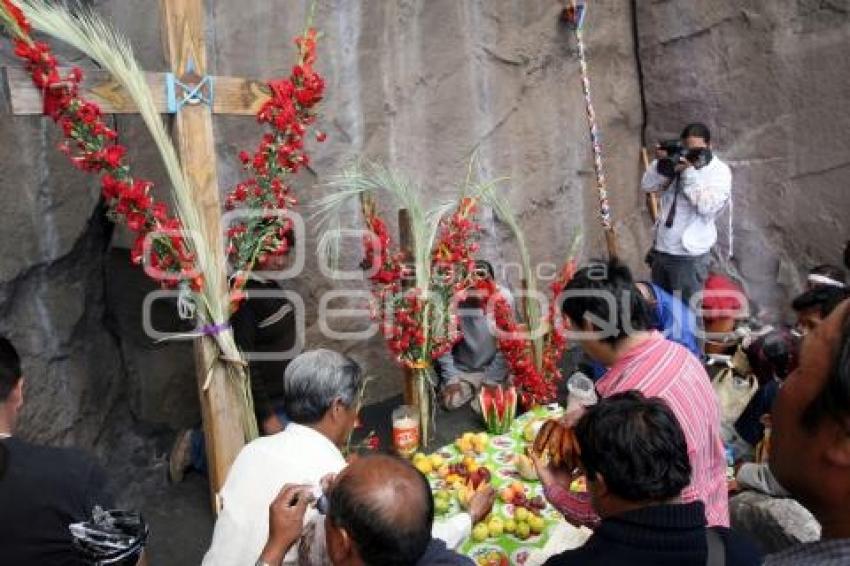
x=90 y=145
x=536 y=385
x=401 y=312
x=289 y=112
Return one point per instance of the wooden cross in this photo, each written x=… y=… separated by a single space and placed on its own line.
x=185 y=48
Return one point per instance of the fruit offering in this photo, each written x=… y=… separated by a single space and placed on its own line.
x=427 y=464
x=492 y=558
x=529 y=432
x=442 y=501
x=525 y=467
x=471 y=443
x=467 y=471
x=516 y=495
x=557 y=441
x=498 y=407
x=465 y=492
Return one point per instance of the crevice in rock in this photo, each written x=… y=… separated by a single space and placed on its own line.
x=639 y=69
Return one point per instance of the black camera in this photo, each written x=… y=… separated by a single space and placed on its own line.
x=699 y=157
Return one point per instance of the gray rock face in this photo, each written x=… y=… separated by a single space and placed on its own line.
x=773 y=523
x=422 y=86
x=765 y=77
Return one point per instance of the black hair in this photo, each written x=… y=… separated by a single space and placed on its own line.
x=592 y=291
x=381 y=540
x=824 y=298
x=832 y=271
x=697 y=130
x=774 y=355
x=10 y=368
x=487 y=266
x=833 y=401
x=637 y=445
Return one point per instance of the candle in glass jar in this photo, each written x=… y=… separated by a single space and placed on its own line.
x=405 y=431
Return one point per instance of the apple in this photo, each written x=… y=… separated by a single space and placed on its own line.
x=520 y=514
x=523 y=530
x=537 y=524
x=510 y=526
x=507 y=495
x=496 y=527
x=480 y=532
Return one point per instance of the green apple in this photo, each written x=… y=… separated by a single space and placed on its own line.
x=510 y=526
x=537 y=524
x=523 y=531
x=496 y=527
x=480 y=532
x=520 y=514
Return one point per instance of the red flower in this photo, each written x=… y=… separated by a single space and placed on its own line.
x=113 y=155
x=159 y=211
x=136 y=221
x=17 y=15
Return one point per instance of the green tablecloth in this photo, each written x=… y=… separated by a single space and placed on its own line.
x=499 y=456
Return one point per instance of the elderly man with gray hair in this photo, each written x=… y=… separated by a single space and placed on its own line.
x=320 y=390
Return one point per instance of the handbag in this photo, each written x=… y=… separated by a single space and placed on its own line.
x=734 y=385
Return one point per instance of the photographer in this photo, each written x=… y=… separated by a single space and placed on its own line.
x=695 y=186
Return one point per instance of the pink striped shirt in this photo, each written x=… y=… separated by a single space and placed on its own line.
x=660 y=368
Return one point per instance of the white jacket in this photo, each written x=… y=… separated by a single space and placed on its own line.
x=704 y=194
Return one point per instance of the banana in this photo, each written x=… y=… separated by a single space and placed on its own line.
x=566 y=448
x=542 y=440
x=555 y=445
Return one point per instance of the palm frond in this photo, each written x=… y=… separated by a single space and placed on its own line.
x=505 y=213
x=87 y=32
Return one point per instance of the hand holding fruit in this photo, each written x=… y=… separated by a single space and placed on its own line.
x=481 y=503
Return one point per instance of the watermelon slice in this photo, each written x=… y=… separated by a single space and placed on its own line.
x=498 y=407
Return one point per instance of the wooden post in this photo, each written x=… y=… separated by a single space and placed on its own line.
x=405 y=243
x=183 y=35
x=651 y=198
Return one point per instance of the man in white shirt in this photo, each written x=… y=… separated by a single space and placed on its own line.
x=694 y=192
x=320 y=391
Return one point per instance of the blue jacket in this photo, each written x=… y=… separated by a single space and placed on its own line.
x=675 y=320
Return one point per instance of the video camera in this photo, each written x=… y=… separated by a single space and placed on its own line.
x=699 y=157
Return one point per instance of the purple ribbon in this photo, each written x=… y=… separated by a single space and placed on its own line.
x=215 y=329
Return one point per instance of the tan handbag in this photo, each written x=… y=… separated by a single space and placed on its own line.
x=734 y=385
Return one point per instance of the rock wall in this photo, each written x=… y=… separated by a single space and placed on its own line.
x=768 y=79
x=422 y=86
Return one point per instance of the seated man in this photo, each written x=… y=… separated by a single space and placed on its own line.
x=476 y=359
x=811 y=440
x=641 y=359
x=42 y=490
x=635 y=457
x=379 y=512
x=321 y=389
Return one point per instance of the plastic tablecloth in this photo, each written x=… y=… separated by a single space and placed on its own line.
x=557 y=536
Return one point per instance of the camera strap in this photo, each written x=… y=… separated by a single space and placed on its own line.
x=671 y=216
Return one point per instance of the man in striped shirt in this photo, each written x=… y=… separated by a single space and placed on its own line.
x=604 y=305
